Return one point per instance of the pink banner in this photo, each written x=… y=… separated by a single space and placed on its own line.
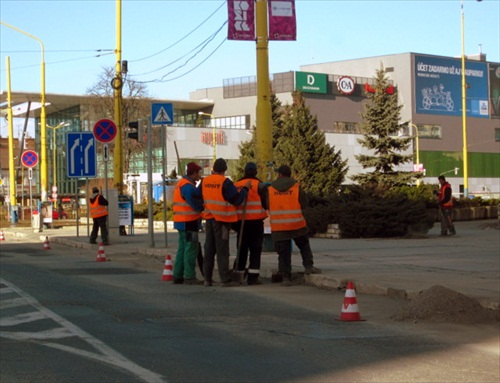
x=282 y=22
x=241 y=16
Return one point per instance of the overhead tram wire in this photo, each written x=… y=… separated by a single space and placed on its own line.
x=162 y=79
x=182 y=38
x=203 y=44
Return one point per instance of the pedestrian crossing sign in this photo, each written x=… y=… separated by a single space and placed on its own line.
x=162 y=114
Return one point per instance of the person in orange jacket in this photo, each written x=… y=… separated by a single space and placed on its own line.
x=187 y=207
x=99 y=213
x=220 y=198
x=287 y=200
x=250 y=225
x=446 y=207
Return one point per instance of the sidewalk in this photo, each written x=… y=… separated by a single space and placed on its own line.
x=468 y=263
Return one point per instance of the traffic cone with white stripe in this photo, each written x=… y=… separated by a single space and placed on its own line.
x=168 y=270
x=350 y=310
x=101 y=255
x=2 y=238
x=46 y=245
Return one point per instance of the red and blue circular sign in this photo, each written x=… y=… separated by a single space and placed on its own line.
x=29 y=158
x=104 y=130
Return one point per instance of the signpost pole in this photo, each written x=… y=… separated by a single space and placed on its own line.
x=151 y=229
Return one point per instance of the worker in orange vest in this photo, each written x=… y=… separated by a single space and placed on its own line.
x=287 y=200
x=187 y=207
x=99 y=213
x=220 y=198
x=446 y=207
x=250 y=225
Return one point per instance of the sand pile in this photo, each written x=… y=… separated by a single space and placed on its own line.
x=440 y=304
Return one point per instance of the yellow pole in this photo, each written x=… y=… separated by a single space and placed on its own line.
x=264 y=148
x=12 y=169
x=464 y=108
x=43 y=121
x=118 y=83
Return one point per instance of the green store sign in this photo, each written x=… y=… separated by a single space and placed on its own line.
x=311 y=82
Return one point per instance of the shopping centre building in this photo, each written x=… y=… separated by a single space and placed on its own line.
x=428 y=87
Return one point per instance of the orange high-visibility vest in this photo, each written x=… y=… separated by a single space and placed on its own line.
x=96 y=210
x=183 y=212
x=215 y=204
x=442 y=191
x=284 y=209
x=254 y=209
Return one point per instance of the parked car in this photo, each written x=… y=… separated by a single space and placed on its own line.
x=55 y=215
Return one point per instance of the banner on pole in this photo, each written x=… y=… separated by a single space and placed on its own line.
x=241 y=20
x=282 y=20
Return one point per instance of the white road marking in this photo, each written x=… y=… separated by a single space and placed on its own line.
x=66 y=329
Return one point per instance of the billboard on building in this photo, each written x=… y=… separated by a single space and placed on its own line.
x=495 y=90
x=438 y=87
x=309 y=82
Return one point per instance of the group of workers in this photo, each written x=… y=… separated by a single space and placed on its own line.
x=241 y=206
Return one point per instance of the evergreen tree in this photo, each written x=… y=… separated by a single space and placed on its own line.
x=380 y=127
x=302 y=146
x=247 y=148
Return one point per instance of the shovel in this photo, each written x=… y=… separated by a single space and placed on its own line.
x=239 y=276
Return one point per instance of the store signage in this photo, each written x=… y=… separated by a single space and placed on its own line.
x=345 y=85
x=311 y=82
x=208 y=138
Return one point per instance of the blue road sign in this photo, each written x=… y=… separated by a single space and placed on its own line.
x=81 y=155
x=162 y=114
x=104 y=130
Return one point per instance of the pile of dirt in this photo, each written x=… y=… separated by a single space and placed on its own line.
x=440 y=304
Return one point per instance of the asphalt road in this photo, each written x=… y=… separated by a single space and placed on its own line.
x=66 y=318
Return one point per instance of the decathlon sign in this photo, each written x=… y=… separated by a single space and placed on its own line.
x=311 y=82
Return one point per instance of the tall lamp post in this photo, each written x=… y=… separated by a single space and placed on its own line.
x=54 y=157
x=43 y=125
x=464 y=106
x=214 y=133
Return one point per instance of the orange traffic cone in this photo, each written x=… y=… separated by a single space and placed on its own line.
x=101 y=256
x=46 y=245
x=168 y=273
x=350 y=310
x=2 y=238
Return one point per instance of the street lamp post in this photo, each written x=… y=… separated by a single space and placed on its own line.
x=54 y=157
x=214 y=133
x=464 y=106
x=43 y=127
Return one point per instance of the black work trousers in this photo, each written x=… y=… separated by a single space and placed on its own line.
x=251 y=240
x=284 y=250
x=100 y=223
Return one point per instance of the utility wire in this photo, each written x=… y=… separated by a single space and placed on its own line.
x=206 y=42
x=181 y=39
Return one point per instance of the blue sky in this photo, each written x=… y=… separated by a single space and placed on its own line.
x=79 y=39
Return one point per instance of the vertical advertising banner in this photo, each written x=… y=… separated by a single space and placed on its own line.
x=438 y=87
x=495 y=90
x=282 y=21
x=241 y=16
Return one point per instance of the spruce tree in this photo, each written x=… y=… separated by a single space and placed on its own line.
x=302 y=145
x=380 y=127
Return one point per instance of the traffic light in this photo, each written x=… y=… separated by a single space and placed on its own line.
x=133 y=130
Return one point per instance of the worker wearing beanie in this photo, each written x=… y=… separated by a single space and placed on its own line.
x=220 y=197
x=187 y=209
x=250 y=225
